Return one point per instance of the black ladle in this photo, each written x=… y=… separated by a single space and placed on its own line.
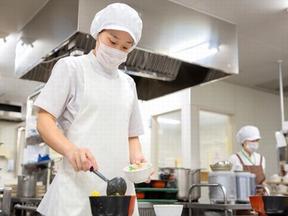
x=115 y=186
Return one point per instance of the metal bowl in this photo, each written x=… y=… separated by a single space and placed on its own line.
x=221 y=166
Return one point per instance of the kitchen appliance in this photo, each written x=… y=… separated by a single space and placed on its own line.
x=26 y=186
x=228 y=180
x=244 y=186
x=161 y=63
x=112 y=205
x=185 y=178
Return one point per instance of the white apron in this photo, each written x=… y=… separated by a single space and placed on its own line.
x=101 y=125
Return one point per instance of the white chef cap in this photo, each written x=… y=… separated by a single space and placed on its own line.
x=118 y=16
x=249 y=133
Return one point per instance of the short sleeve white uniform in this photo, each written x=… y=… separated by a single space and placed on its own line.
x=62 y=95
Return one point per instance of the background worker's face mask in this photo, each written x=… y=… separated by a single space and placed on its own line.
x=109 y=57
x=252 y=146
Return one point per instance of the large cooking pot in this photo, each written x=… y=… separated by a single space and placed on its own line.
x=185 y=179
x=253 y=183
x=228 y=180
x=112 y=205
x=26 y=186
x=246 y=185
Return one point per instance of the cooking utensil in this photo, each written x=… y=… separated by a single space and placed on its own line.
x=253 y=183
x=26 y=186
x=138 y=175
x=270 y=205
x=168 y=210
x=115 y=186
x=112 y=205
x=243 y=186
x=185 y=178
x=158 y=183
x=221 y=166
x=228 y=180
x=140 y=195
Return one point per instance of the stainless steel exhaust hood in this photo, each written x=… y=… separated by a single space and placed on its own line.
x=179 y=48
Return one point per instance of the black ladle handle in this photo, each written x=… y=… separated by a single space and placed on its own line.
x=99 y=174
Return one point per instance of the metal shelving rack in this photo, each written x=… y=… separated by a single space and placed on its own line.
x=281 y=136
x=42 y=169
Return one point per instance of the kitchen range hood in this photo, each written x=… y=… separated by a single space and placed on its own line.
x=180 y=47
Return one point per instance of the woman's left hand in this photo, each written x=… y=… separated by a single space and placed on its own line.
x=138 y=159
x=136 y=155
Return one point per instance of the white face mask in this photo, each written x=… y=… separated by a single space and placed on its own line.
x=109 y=57
x=252 y=146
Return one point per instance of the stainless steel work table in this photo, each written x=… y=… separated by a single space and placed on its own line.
x=146 y=208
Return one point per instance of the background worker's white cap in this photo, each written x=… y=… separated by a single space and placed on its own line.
x=249 y=133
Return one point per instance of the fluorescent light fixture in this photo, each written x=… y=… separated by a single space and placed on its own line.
x=168 y=121
x=196 y=52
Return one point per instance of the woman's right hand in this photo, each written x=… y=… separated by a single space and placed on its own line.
x=81 y=159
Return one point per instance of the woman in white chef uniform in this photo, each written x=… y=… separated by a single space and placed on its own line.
x=97 y=107
x=248 y=159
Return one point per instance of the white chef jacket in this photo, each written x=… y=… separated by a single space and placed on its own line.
x=62 y=95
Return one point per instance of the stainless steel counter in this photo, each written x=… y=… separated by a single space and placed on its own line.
x=26 y=199
x=217 y=206
x=197 y=209
x=146 y=208
x=203 y=206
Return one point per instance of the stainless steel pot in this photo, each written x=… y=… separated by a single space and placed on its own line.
x=228 y=180
x=26 y=186
x=6 y=202
x=243 y=185
x=185 y=179
x=253 y=183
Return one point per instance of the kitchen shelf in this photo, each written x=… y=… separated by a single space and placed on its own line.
x=163 y=201
x=34 y=140
x=37 y=163
x=168 y=190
